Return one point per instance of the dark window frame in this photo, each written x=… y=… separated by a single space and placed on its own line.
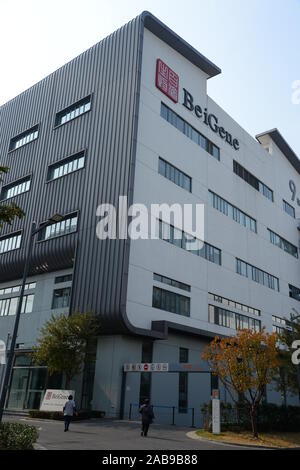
x=188 y=130
x=53 y=307
x=11 y=235
x=64 y=161
x=293 y=210
x=13 y=183
x=252 y=180
x=70 y=108
x=23 y=134
x=189 y=178
x=176 y=298
x=66 y=217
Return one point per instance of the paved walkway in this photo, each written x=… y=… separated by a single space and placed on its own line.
x=115 y=435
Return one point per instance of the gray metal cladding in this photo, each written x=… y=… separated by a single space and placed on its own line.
x=107 y=72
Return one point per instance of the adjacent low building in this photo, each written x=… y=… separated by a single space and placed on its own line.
x=131 y=117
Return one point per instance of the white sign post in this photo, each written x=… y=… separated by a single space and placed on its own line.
x=2 y=353
x=216 y=413
x=55 y=400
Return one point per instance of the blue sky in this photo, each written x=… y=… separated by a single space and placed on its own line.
x=256 y=43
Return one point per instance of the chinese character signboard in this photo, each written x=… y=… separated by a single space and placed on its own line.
x=167 y=80
x=154 y=367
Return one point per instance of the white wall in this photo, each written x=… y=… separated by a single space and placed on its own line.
x=156 y=137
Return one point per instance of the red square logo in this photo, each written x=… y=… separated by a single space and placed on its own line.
x=167 y=80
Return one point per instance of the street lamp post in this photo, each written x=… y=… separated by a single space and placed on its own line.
x=34 y=230
x=293 y=318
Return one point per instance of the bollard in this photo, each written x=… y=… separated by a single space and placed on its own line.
x=130 y=411
x=173 y=415
x=193 y=417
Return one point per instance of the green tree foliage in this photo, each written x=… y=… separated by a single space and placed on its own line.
x=8 y=211
x=63 y=343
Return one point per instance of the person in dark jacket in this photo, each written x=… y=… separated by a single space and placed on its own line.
x=146 y=411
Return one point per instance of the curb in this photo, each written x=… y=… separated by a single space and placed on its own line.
x=193 y=435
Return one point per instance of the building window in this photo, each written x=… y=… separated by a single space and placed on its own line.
x=171 y=282
x=183 y=355
x=10 y=242
x=294 y=292
x=25 y=138
x=234 y=304
x=62 y=279
x=252 y=180
x=14 y=189
x=61 y=298
x=187 y=242
x=15 y=289
x=257 y=275
x=183 y=392
x=233 y=212
x=173 y=174
x=283 y=244
x=67 y=225
x=73 y=111
x=280 y=324
x=8 y=306
x=189 y=131
x=66 y=166
x=235 y=321
x=288 y=209
x=171 y=302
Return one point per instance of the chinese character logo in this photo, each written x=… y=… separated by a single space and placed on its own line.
x=167 y=80
x=48 y=396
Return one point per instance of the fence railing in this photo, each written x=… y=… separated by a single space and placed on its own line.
x=170 y=414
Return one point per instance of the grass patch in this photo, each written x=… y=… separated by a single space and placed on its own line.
x=275 y=439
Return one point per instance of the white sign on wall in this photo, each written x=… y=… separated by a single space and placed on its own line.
x=148 y=367
x=55 y=400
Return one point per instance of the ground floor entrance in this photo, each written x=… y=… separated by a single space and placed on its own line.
x=28 y=384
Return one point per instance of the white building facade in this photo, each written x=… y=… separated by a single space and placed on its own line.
x=187 y=151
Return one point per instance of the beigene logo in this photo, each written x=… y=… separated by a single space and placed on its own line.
x=167 y=80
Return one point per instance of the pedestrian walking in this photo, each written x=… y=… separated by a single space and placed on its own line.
x=146 y=411
x=69 y=410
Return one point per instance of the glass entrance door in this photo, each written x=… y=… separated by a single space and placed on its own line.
x=18 y=388
x=36 y=386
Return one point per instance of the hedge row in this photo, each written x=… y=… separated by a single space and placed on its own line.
x=57 y=415
x=270 y=417
x=17 y=436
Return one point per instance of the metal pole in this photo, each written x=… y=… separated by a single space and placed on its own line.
x=16 y=325
x=130 y=411
x=123 y=395
x=193 y=417
x=173 y=417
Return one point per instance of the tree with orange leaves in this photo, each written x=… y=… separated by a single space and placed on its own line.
x=245 y=364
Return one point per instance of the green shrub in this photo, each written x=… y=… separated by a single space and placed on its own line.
x=17 y=436
x=57 y=415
